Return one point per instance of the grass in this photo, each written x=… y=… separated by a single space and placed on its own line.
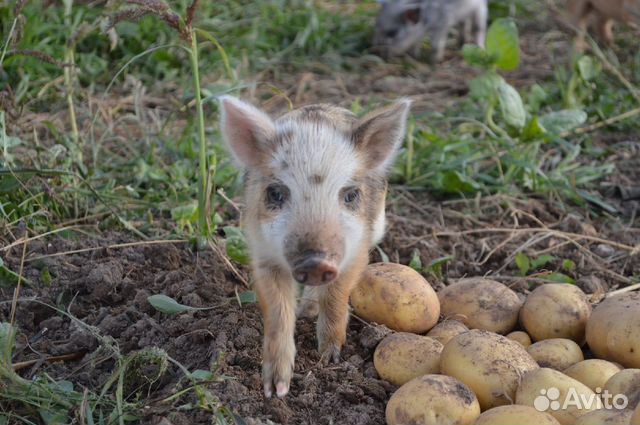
x=99 y=128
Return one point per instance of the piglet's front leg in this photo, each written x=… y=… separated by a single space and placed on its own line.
x=276 y=296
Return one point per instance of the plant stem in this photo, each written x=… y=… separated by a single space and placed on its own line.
x=203 y=224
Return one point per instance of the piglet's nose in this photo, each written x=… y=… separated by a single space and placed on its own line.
x=314 y=269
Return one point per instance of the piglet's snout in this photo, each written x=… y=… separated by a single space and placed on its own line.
x=314 y=268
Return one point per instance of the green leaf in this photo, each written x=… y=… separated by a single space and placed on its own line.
x=54 y=417
x=45 y=276
x=435 y=266
x=564 y=120
x=4 y=420
x=416 y=262
x=522 y=261
x=7 y=343
x=167 y=305
x=533 y=130
x=541 y=261
x=511 y=105
x=536 y=97
x=568 y=265
x=236 y=245
x=454 y=182
x=503 y=44
x=475 y=55
x=62 y=386
x=247 y=297
x=202 y=375
x=485 y=87
x=587 y=68
x=557 y=278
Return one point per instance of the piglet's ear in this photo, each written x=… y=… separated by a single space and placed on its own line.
x=246 y=130
x=412 y=14
x=378 y=135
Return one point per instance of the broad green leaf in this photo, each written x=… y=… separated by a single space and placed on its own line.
x=541 y=261
x=236 y=245
x=416 y=262
x=247 y=297
x=485 y=87
x=454 y=182
x=557 y=277
x=503 y=44
x=522 y=261
x=568 y=265
x=7 y=343
x=537 y=95
x=564 y=120
x=511 y=105
x=587 y=68
x=167 y=305
x=62 y=386
x=533 y=130
x=435 y=266
x=54 y=417
x=202 y=375
x=476 y=56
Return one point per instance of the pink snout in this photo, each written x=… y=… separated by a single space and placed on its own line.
x=314 y=269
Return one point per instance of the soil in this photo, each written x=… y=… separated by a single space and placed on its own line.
x=107 y=288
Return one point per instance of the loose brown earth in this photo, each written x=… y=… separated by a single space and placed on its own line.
x=107 y=287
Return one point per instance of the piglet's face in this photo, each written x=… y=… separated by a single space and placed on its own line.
x=315 y=183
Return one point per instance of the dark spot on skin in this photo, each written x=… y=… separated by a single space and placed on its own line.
x=284 y=165
x=316 y=179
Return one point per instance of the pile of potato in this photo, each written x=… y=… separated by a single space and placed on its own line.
x=498 y=358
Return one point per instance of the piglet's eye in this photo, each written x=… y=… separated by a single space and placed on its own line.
x=351 y=195
x=391 y=33
x=276 y=195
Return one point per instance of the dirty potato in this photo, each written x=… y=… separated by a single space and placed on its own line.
x=625 y=382
x=402 y=356
x=613 y=330
x=594 y=373
x=433 y=400
x=556 y=353
x=605 y=417
x=555 y=386
x=556 y=310
x=481 y=304
x=396 y=296
x=521 y=337
x=514 y=414
x=446 y=330
x=635 y=418
x=490 y=364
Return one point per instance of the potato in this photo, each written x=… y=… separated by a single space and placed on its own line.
x=481 y=304
x=635 y=418
x=594 y=373
x=556 y=310
x=433 y=400
x=396 y=296
x=522 y=337
x=490 y=364
x=605 y=417
x=402 y=356
x=626 y=382
x=613 y=330
x=556 y=353
x=557 y=394
x=446 y=330
x=514 y=414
